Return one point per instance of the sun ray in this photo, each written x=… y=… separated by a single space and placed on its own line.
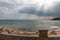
x=45 y=3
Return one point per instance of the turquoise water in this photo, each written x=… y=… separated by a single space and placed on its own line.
x=28 y=25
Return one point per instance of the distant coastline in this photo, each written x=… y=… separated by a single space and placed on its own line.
x=58 y=19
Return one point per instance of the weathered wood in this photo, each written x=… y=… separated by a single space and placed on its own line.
x=9 y=37
x=43 y=35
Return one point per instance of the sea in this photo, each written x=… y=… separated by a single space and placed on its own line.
x=29 y=25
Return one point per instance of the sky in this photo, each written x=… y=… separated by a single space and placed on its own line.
x=28 y=9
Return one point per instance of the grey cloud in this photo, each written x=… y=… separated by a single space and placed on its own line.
x=54 y=11
x=8 y=5
x=30 y=10
x=33 y=9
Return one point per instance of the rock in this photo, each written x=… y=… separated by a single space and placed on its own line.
x=4 y=32
x=1 y=28
x=56 y=19
x=18 y=32
x=52 y=33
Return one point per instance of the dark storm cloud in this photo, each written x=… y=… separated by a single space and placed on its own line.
x=33 y=9
x=54 y=11
x=30 y=10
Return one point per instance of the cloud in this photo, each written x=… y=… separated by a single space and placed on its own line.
x=54 y=11
x=26 y=9
x=37 y=9
x=3 y=12
x=3 y=9
x=29 y=9
x=11 y=1
x=28 y=16
x=6 y=14
x=7 y=5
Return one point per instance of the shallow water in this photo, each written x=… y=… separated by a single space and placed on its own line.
x=28 y=25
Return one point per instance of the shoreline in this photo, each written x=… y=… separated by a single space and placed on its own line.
x=10 y=31
x=16 y=32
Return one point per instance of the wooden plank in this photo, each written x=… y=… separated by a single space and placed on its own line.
x=43 y=35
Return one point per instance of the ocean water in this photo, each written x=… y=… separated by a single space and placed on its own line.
x=28 y=25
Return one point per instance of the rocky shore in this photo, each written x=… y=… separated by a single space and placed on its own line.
x=54 y=32
x=17 y=32
x=58 y=19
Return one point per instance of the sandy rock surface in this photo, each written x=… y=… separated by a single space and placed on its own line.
x=12 y=31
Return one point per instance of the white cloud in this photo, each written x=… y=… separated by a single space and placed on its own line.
x=11 y=1
x=4 y=9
